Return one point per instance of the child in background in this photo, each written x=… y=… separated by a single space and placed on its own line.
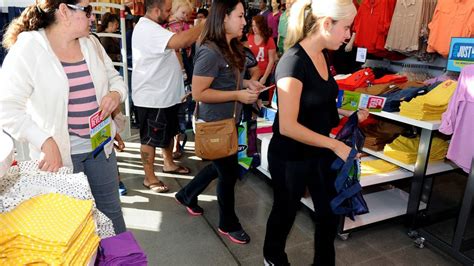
x=181 y=10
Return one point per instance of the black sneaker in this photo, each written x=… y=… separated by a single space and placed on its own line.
x=239 y=237
x=194 y=210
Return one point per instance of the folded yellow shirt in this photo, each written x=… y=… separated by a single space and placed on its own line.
x=432 y=104
x=406 y=149
x=378 y=166
x=51 y=229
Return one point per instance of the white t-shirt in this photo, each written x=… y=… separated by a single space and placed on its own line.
x=157 y=79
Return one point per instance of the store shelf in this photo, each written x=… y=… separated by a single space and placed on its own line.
x=433 y=167
x=382 y=205
x=264 y=171
x=379 y=154
x=395 y=116
x=370 y=180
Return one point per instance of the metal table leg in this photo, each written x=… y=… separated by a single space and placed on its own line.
x=418 y=186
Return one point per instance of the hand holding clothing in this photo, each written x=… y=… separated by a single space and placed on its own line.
x=341 y=150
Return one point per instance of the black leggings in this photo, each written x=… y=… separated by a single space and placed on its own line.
x=289 y=179
x=227 y=172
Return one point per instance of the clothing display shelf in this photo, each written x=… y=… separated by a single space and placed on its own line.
x=392 y=202
x=383 y=205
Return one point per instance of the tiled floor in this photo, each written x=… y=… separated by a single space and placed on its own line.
x=170 y=236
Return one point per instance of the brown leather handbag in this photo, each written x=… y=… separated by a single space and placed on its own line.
x=217 y=139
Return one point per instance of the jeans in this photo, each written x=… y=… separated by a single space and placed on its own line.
x=227 y=172
x=289 y=180
x=102 y=175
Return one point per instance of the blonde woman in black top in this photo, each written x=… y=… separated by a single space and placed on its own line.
x=301 y=151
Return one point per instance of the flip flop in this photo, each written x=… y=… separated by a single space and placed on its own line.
x=158 y=187
x=181 y=170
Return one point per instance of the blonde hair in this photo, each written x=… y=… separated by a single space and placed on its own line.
x=305 y=13
x=180 y=3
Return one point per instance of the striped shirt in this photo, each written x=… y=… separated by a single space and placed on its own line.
x=82 y=104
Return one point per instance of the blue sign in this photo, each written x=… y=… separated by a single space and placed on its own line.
x=461 y=53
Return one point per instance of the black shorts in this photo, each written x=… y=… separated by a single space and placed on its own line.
x=158 y=126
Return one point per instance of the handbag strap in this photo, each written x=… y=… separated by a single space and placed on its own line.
x=237 y=88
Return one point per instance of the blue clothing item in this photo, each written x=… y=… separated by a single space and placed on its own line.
x=392 y=104
x=349 y=200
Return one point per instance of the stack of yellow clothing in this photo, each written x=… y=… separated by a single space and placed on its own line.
x=378 y=166
x=51 y=229
x=405 y=149
x=431 y=105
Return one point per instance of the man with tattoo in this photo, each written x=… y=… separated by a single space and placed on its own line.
x=158 y=87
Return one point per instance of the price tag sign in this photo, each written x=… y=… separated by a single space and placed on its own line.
x=100 y=131
x=361 y=55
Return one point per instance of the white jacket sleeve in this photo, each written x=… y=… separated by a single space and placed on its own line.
x=16 y=87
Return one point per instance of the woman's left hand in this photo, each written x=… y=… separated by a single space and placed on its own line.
x=254 y=85
x=109 y=103
x=263 y=80
x=362 y=114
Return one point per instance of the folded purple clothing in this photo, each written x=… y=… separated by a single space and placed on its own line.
x=121 y=249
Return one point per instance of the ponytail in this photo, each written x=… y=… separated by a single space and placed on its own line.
x=296 y=23
x=32 y=18
x=305 y=13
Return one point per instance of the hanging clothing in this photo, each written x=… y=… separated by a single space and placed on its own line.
x=427 y=12
x=404 y=32
x=452 y=18
x=457 y=121
x=372 y=24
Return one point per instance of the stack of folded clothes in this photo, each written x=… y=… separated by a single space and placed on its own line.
x=51 y=229
x=431 y=105
x=378 y=166
x=121 y=249
x=380 y=133
x=405 y=149
x=359 y=79
x=394 y=98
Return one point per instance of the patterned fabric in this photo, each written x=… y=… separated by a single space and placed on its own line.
x=24 y=181
x=53 y=229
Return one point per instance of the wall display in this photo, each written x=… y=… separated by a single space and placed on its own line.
x=461 y=53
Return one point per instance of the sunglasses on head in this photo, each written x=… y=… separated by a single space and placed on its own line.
x=85 y=9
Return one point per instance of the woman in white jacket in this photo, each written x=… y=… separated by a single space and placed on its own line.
x=53 y=78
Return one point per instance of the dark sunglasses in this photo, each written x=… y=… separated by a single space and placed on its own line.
x=85 y=9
